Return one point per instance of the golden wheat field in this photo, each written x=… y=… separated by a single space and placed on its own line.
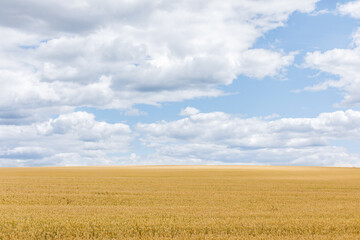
x=180 y=202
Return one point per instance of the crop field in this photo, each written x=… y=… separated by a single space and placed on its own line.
x=180 y=202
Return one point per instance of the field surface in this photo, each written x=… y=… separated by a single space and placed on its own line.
x=180 y=202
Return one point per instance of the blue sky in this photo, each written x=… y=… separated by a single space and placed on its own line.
x=189 y=82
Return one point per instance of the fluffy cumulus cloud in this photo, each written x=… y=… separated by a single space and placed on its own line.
x=114 y=54
x=69 y=139
x=351 y=8
x=342 y=63
x=218 y=137
x=198 y=138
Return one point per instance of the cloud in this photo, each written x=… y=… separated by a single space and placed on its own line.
x=218 y=137
x=134 y=112
x=188 y=111
x=350 y=8
x=344 y=64
x=272 y=62
x=115 y=54
x=69 y=139
x=77 y=138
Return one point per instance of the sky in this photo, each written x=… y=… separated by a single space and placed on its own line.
x=144 y=82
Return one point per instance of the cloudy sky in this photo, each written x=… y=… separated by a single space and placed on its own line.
x=123 y=82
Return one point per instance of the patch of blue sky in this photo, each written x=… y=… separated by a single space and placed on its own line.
x=268 y=96
x=33 y=46
x=305 y=32
x=351 y=146
x=28 y=46
x=329 y=4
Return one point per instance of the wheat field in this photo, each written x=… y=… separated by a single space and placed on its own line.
x=180 y=202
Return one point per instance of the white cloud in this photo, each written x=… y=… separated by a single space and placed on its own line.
x=24 y=98
x=199 y=138
x=148 y=52
x=188 y=111
x=134 y=112
x=272 y=63
x=350 y=8
x=222 y=138
x=74 y=138
x=343 y=63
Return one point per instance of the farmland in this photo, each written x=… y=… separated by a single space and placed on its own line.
x=180 y=202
